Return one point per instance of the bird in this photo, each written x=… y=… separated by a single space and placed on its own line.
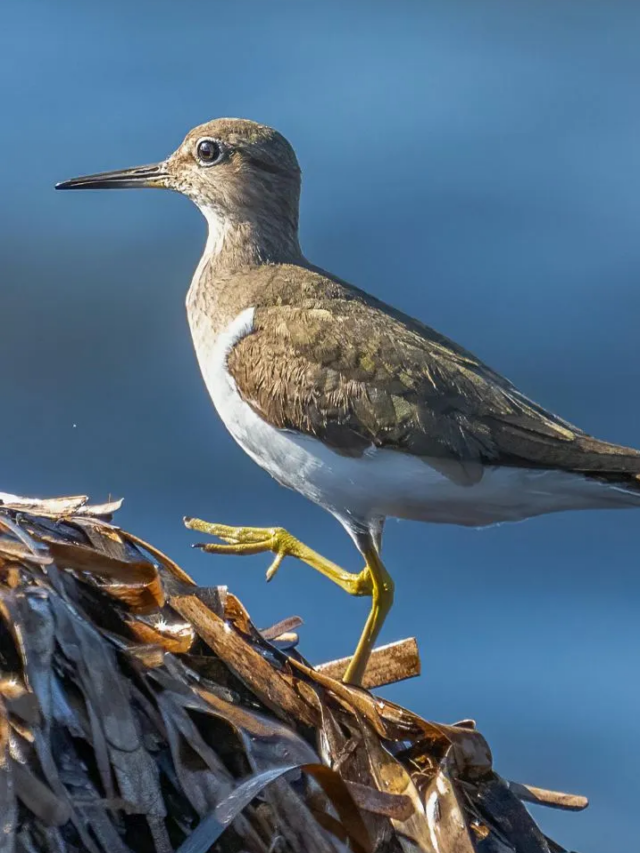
x=354 y=404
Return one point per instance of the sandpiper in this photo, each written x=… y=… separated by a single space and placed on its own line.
x=354 y=404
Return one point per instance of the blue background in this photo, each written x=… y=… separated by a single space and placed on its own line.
x=478 y=164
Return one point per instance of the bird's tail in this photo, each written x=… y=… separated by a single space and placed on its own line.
x=609 y=463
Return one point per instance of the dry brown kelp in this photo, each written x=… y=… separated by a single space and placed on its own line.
x=139 y=712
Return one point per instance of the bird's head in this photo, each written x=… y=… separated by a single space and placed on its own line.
x=243 y=176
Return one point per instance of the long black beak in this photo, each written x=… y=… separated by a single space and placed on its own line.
x=154 y=175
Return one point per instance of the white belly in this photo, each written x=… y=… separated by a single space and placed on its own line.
x=385 y=483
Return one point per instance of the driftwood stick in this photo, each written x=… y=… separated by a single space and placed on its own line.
x=552 y=799
x=387 y=664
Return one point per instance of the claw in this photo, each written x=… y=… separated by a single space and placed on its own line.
x=275 y=565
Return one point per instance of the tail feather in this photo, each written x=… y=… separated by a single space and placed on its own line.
x=577 y=453
x=611 y=462
x=599 y=453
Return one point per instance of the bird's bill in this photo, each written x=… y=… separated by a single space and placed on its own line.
x=154 y=175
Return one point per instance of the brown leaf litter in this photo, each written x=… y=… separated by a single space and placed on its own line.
x=140 y=712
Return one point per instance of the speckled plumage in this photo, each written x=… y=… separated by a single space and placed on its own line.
x=352 y=372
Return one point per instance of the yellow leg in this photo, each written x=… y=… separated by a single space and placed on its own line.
x=381 y=602
x=373 y=580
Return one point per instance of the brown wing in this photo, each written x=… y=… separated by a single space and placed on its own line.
x=354 y=376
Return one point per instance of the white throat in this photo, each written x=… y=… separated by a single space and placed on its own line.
x=218 y=229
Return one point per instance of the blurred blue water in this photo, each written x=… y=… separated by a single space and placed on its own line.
x=476 y=164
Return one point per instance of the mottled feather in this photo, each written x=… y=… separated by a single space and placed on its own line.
x=329 y=361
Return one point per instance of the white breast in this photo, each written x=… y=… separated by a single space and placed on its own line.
x=385 y=482
x=299 y=462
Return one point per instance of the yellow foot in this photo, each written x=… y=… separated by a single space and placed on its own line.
x=373 y=580
x=259 y=540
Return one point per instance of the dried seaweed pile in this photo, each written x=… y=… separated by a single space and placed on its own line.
x=139 y=712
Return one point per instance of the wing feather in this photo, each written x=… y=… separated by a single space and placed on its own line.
x=358 y=376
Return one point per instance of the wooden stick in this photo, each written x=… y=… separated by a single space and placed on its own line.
x=552 y=799
x=387 y=664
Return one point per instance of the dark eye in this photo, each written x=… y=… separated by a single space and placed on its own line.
x=209 y=152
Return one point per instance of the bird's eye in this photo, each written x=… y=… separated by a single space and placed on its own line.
x=209 y=152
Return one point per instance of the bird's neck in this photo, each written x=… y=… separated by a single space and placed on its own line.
x=234 y=244
x=225 y=281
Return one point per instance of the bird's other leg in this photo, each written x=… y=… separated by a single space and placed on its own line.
x=382 y=590
x=259 y=540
